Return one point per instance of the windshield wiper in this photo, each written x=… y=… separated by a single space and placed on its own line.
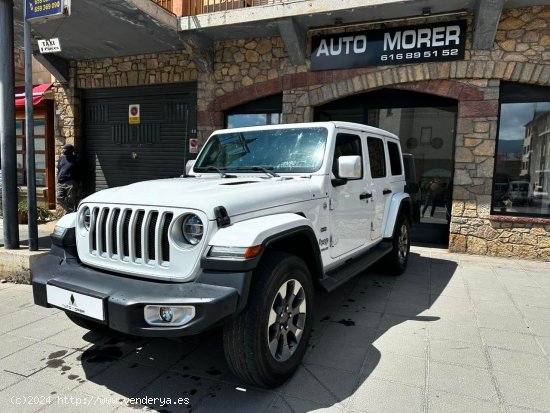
x=221 y=171
x=265 y=169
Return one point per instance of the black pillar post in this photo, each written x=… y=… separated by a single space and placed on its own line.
x=7 y=127
x=29 y=133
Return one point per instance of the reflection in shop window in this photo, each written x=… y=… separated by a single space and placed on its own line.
x=253 y=119
x=522 y=167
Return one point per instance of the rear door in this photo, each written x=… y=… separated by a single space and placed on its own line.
x=380 y=186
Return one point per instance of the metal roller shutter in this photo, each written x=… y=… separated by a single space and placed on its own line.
x=119 y=153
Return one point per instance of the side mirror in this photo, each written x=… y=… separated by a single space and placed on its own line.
x=189 y=165
x=349 y=167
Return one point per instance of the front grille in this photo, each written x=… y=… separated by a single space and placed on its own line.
x=138 y=236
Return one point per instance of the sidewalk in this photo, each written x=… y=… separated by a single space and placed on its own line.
x=44 y=231
x=455 y=333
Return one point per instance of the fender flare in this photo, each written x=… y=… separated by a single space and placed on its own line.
x=399 y=201
x=264 y=231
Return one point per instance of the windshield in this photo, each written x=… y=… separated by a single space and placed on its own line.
x=298 y=150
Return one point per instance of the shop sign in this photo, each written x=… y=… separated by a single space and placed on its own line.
x=133 y=114
x=435 y=42
x=45 y=9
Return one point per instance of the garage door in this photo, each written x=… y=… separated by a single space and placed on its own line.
x=121 y=150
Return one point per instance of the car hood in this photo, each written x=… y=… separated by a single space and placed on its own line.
x=238 y=195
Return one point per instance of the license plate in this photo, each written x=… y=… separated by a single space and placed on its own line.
x=75 y=302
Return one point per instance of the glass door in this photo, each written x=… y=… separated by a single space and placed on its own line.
x=426 y=126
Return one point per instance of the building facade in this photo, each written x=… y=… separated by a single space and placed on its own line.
x=479 y=122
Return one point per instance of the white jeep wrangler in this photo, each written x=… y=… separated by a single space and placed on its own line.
x=265 y=215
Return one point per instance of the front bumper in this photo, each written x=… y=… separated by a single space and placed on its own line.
x=216 y=296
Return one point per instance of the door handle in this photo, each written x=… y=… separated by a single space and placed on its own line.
x=365 y=195
x=386 y=191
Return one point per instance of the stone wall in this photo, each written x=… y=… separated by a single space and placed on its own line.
x=248 y=69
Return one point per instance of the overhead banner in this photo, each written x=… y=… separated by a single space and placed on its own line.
x=435 y=42
x=42 y=9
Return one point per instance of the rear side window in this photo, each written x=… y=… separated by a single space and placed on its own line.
x=395 y=159
x=377 y=157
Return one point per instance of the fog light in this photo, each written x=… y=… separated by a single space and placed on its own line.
x=166 y=314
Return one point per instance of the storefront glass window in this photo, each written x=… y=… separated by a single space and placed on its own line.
x=264 y=111
x=253 y=119
x=521 y=183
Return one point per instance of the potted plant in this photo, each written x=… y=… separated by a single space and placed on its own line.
x=23 y=212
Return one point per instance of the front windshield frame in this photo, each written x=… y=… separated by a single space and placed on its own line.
x=281 y=150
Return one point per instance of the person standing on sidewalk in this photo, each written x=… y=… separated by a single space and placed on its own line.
x=67 y=179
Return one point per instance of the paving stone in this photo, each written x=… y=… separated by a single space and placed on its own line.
x=39 y=330
x=381 y=396
x=545 y=344
x=524 y=391
x=228 y=399
x=34 y=358
x=502 y=307
x=395 y=367
x=176 y=388
x=413 y=325
x=508 y=340
x=409 y=345
x=360 y=318
x=326 y=354
x=444 y=330
x=286 y=404
x=11 y=344
x=538 y=326
x=530 y=301
x=120 y=379
x=72 y=370
x=450 y=302
x=323 y=385
x=345 y=333
x=535 y=312
x=160 y=353
x=466 y=381
x=13 y=321
x=8 y=379
x=458 y=352
x=520 y=364
x=442 y=402
x=27 y=396
x=75 y=337
x=504 y=323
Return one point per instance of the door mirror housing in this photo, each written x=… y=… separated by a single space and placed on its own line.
x=189 y=165
x=349 y=167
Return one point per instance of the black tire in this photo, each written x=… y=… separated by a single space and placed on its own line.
x=87 y=324
x=395 y=263
x=246 y=338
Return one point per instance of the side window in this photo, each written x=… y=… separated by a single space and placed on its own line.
x=377 y=157
x=395 y=159
x=346 y=145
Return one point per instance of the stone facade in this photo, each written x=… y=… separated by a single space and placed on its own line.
x=248 y=69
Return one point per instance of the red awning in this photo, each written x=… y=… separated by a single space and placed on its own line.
x=37 y=94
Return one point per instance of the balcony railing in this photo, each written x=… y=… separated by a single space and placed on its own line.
x=196 y=7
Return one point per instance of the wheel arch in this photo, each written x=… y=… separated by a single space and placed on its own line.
x=400 y=204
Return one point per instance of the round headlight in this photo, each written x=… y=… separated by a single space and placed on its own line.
x=192 y=229
x=85 y=217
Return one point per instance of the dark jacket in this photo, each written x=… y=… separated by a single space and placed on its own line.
x=67 y=168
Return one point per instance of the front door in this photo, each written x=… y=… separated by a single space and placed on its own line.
x=349 y=210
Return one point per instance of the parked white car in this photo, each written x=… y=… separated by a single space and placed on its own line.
x=264 y=215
